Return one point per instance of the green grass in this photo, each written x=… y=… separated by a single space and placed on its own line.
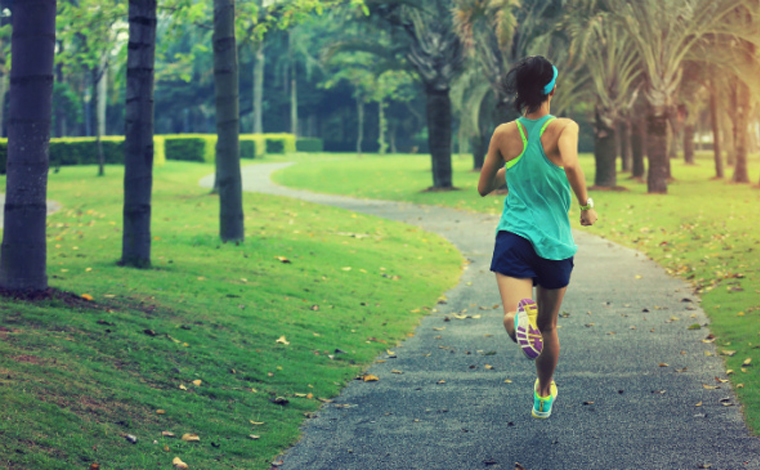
x=704 y=231
x=76 y=376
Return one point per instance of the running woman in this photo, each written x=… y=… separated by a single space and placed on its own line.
x=536 y=156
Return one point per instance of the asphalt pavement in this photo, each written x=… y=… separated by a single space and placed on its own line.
x=631 y=375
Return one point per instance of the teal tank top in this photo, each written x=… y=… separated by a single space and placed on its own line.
x=539 y=196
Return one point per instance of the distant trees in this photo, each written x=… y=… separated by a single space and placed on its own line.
x=23 y=252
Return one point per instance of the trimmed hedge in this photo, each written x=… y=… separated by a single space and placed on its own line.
x=252 y=146
x=191 y=147
x=309 y=144
x=65 y=151
x=280 y=143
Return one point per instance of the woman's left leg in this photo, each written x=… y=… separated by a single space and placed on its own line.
x=549 y=302
x=512 y=291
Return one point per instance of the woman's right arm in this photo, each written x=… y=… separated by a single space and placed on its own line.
x=568 y=150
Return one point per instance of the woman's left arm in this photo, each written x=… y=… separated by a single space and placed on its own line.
x=493 y=173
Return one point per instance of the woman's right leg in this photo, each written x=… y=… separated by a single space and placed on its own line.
x=512 y=291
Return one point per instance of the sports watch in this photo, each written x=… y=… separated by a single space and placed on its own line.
x=589 y=205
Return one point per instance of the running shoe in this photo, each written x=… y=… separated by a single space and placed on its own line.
x=526 y=331
x=542 y=406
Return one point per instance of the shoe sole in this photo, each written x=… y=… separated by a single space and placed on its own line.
x=527 y=333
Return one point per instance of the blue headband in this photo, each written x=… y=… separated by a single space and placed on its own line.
x=550 y=86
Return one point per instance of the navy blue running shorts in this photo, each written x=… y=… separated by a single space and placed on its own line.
x=514 y=256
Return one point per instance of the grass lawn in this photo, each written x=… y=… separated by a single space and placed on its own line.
x=704 y=231
x=206 y=341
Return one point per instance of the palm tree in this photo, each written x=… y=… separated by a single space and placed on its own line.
x=138 y=134
x=614 y=71
x=228 y=177
x=23 y=252
x=435 y=54
x=664 y=32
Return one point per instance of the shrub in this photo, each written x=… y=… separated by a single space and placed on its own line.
x=309 y=144
x=280 y=143
x=65 y=151
x=190 y=147
x=252 y=146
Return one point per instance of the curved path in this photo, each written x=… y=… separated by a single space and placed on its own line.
x=619 y=405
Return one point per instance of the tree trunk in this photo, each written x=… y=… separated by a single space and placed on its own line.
x=60 y=118
x=24 y=248
x=382 y=124
x=3 y=91
x=717 y=155
x=439 y=136
x=638 y=146
x=730 y=124
x=138 y=134
x=688 y=144
x=227 y=123
x=605 y=152
x=359 y=125
x=96 y=76
x=657 y=149
x=258 y=89
x=741 y=128
x=627 y=151
x=479 y=145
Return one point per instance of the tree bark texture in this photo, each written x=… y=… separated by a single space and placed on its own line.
x=96 y=77
x=715 y=123
x=439 y=136
x=258 y=89
x=227 y=123
x=688 y=143
x=359 y=125
x=605 y=152
x=741 y=129
x=626 y=150
x=138 y=134
x=657 y=150
x=479 y=145
x=23 y=251
x=638 y=147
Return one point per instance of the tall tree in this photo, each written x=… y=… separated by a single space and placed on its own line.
x=436 y=56
x=614 y=68
x=23 y=252
x=227 y=123
x=138 y=134
x=664 y=33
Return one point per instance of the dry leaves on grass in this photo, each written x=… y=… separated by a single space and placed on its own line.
x=178 y=463
x=190 y=437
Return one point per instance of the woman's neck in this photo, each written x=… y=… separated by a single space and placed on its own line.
x=540 y=112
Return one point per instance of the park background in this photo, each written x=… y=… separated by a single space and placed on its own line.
x=223 y=341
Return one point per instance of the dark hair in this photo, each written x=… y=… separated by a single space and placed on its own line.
x=526 y=80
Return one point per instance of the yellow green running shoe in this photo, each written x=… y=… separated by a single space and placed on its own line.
x=542 y=406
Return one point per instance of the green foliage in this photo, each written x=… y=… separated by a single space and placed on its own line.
x=67 y=151
x=191 y=147
x=309 y=144
x=77 y=376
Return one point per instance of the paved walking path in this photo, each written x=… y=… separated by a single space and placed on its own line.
x=618 y=408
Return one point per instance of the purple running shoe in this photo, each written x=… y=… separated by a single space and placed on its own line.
x=528 y=335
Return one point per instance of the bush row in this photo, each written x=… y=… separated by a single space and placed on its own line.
x=190 y=147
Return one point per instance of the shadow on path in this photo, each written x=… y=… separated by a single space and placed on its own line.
x=618 y=408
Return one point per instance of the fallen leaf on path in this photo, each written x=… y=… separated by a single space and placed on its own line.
x=394 y=371
x=699 y=404
x=518 y=466
x=710 y=387
x=488 y=366
x=664 y=364
x=727 y=353
x=695 y=326
x=179 y=463
x=371 y=378
x=718 y=379
x=682 y=370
